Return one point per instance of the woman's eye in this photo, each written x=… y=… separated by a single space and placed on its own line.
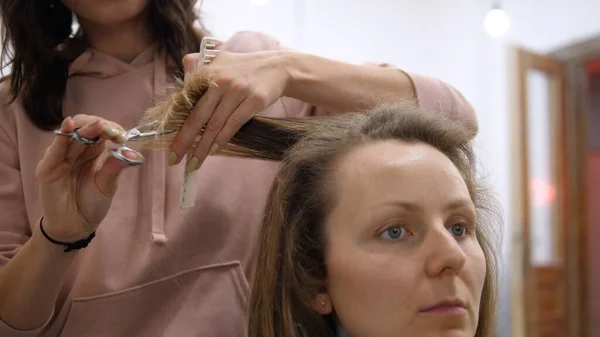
x=458 y=229
x=393 y=233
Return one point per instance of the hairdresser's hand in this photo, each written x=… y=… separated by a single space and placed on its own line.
x=246 y=84
x=77 y=182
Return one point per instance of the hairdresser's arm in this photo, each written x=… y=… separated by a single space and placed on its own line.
x=32 y=269
x=29 y=286
x=338 y=87
x=252 y=72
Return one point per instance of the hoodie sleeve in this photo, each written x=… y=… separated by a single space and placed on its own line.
x=430 y=93
x=14 y=224
x=435 y=95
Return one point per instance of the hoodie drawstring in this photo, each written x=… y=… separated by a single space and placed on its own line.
x=158 y=164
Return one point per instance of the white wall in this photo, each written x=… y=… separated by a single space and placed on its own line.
x=436 y=37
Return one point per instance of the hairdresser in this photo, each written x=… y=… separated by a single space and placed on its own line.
x=91 y=247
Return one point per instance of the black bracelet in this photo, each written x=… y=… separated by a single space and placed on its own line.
x=70 y=245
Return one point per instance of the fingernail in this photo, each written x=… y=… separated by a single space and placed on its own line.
x=115 y=133
x=214 y=148
x=121 y=137
x=64 y=122
x=192 y=165
x=110 y=131
x=172 y=158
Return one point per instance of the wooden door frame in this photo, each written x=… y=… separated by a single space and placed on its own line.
x=576 y=57
x=524 y=278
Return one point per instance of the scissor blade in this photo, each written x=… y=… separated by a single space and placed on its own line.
x=152 y=133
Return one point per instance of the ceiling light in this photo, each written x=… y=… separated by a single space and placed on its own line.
x=496 y=22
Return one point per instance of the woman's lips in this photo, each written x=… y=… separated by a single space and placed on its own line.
x=449 y=307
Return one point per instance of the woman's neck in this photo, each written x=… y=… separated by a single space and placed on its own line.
x=124 y=40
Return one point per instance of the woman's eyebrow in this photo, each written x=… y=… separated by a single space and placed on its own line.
x=415 y=207
x=406 y=205
x=459 y=203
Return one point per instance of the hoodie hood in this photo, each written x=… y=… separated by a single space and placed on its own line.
x=95 y=64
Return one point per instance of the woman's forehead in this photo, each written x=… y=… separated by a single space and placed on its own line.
x=394 y=170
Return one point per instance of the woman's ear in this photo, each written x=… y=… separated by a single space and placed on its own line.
x=321 y=303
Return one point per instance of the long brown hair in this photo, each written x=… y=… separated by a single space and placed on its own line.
x=32 y=30
x=290 y=267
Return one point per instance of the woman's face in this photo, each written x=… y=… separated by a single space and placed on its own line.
x=106 y=12
x=402 y=257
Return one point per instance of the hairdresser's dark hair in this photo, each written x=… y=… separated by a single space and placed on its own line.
x=32 y=30
x=290 y=268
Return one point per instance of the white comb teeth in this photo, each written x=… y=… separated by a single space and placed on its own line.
x=208 y=50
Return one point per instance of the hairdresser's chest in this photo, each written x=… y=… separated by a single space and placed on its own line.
x=149 y=252
x=145 y=222
x=146 y=228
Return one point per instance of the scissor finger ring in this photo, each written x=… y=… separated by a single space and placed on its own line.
x=75 y=136
x=118 y=154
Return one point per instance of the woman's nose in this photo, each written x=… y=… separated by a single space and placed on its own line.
x=445 y=256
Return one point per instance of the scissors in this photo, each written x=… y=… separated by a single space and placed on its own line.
x=75 y=136
x=133 y=134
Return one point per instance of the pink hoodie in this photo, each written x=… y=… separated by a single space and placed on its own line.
x=153 y=269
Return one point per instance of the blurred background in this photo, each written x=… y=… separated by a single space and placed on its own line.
x=531 y=69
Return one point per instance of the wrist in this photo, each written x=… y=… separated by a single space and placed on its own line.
x=291 y=63
x=68 y=245
x=46 y=248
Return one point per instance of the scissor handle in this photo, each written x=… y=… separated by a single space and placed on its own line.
x=83 y=140
x=118 y=154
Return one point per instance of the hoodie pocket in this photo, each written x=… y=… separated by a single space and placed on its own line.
x=204 y=301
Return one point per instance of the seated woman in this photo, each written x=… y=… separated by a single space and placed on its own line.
x=377 y=224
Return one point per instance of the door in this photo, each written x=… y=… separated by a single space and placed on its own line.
x=593 y=195
x=540 y=291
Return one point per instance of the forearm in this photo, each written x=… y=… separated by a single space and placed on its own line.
x=31 y=281
x=341 y=87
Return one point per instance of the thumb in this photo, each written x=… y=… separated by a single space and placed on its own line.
x=190 y=62
x=106 y=178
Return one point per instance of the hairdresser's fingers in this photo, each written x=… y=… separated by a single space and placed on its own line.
x=110 y=130
x=198 y=117
x=48 y=168
x=58 y=150
x=244 y=112
x=89 y=131
x=104 y=129
x=61 y=145
x=106 y=178
x=114 y=132
x=190 y=62
x=99 y=128
x=63 y=151
x=231 y=100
